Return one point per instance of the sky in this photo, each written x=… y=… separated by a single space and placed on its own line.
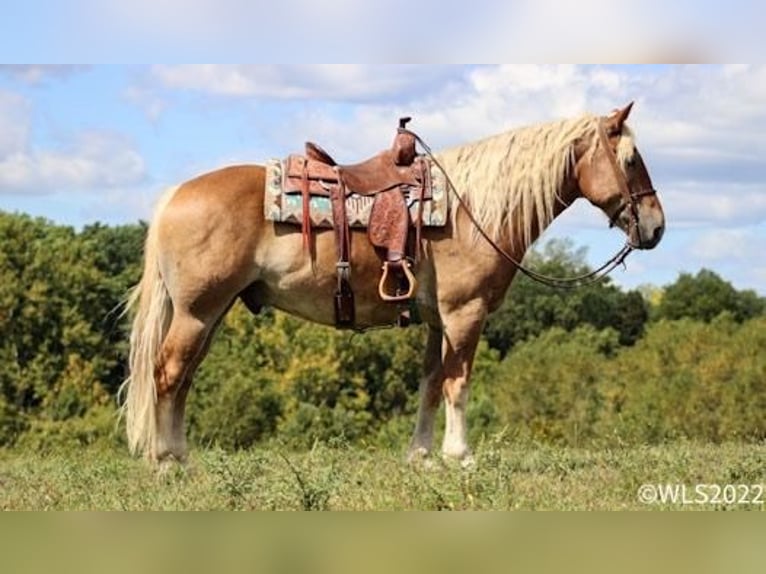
x=87 y=143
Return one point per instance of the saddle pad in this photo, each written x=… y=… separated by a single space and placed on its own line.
x=281 y=207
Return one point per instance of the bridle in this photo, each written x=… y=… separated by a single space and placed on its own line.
x=630 y=201
x=630 y=198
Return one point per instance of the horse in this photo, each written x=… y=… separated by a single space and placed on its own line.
x=209 y=245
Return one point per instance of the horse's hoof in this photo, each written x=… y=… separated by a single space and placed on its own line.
x=170 y=467
x=417 y=456
x=466 y=461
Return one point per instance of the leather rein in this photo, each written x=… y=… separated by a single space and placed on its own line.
x=629 y=201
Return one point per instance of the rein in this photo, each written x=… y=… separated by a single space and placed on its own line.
x=596 y=276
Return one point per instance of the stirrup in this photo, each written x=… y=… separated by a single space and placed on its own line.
x=413 y=284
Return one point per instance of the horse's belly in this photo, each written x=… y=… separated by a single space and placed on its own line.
x=314 y=300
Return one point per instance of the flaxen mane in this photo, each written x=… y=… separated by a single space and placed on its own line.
x=516 y=176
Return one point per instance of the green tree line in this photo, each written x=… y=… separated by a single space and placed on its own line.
x=568 y=367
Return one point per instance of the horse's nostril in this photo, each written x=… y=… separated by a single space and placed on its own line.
x=659 y=231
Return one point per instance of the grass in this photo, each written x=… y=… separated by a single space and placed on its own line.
x=507 y=476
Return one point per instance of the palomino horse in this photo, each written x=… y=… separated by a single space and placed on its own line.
x=210 y=245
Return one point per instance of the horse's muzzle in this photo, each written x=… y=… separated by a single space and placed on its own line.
x=650 y=228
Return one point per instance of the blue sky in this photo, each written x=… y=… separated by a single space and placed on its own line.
x=98 y=143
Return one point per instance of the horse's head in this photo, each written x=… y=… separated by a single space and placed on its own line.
x=612 y=175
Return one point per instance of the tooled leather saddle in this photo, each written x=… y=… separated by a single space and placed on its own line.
x=393 y=177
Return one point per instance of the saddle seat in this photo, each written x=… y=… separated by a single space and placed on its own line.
x=388 y=169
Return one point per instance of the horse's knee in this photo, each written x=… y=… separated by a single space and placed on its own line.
x=171 y=369
x=455 y=392
x=168 y=375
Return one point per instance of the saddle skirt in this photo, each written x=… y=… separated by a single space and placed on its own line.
x=284 y=201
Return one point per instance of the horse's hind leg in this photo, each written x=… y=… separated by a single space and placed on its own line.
x=181 y=352
x=179 y=403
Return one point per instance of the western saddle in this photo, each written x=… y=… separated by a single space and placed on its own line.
x=396 y=178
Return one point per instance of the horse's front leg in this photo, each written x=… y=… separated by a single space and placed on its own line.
x=430 y=397
x=462 y=331
x=449 y=360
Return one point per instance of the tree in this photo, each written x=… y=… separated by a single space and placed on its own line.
x=705 y=296
x=61 y=338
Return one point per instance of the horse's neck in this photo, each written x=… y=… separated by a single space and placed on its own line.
x=512 y=240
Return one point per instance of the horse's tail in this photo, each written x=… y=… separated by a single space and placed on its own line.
x=151 y=306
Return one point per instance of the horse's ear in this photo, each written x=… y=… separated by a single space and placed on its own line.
x=618 y=119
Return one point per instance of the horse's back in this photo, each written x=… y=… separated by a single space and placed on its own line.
x=235 y=189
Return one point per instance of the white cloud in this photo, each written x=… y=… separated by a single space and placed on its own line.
x=707 y=109
x=92 y=161
x=719 y=204
x=685 y=113
x=485 y=100
x=84 y=161
x=736 y=254
x=38 y=73
x=717 y=245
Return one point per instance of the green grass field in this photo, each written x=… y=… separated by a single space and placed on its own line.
x=507 y=476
